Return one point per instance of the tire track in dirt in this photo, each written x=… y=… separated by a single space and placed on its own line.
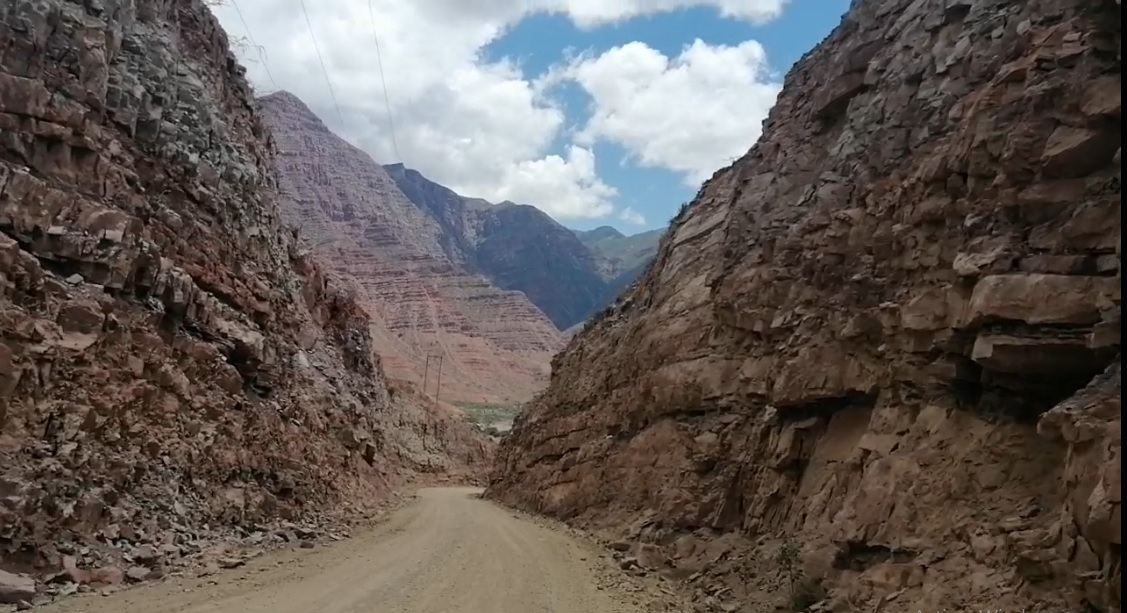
x=448 y=552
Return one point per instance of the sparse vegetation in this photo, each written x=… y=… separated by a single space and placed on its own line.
x=681 y=211
x=491 y=419
x=492 y=431
x=788 y=560
x=802 y=593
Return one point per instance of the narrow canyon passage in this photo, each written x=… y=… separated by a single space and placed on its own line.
x=447 y=552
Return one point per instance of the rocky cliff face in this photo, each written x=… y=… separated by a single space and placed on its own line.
x=172 y=364
x=417 y=283
x=517 y=247
x=889 y=333
x=524 y=249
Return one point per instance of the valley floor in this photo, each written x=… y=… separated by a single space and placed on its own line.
x=447 y=552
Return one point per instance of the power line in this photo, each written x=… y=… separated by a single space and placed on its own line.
x=383 y=81
x=261 y=50
x=321 y=59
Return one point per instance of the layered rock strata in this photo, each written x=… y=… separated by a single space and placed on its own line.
x=516 y=246
x=495 y=344
x=172 y=363
x=888 y=334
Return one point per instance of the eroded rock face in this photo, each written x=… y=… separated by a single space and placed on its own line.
x=569 y=275
x=421 y=289
x=516 y=246
x=890 y=332
x=170 y=361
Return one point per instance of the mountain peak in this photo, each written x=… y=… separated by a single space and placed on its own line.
x=601 y=233
x=283 y=98
x=285 y=103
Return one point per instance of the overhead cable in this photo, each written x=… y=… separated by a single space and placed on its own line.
x=261 y=50
x=383 y=81
x=321 y=59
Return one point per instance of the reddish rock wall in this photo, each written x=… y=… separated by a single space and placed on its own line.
x=889 y=333
x=171 y=363
x=495 y=344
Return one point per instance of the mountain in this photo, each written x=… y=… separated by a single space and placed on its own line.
x=599 y=234
x=175 y=371
x=570 y=275
x=876 y=363
x=424 y=295
x=517 y=247
x=622 y=258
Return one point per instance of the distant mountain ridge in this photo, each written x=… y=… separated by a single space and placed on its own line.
x=600 y=234
x=490 y=288
x=424 y=295
x=623 y=258
x=569 y=275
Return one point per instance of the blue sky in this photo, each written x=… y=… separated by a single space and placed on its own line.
x=598 y=113
x=539 y=41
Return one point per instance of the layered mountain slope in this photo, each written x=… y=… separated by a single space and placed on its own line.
x=889 y=333
x=622 y=258
x=417 y=285
x=523 y=248
x=518 y=247
x=171 y=364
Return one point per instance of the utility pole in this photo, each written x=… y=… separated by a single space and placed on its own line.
x=438 y=388
x=426 y=376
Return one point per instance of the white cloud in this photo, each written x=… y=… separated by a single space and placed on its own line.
x=588 y=13
x=592 y=13
x=632 y=217
x=691 y=114
x=480 y=127
x=552 y=180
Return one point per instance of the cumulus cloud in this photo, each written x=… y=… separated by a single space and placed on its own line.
x=481 y=127
x=558 y=185
x=691 y=114
x=592 y=13
x=589 y=13
x=632 y=217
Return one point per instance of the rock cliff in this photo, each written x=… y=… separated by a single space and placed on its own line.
x=889 y=334
x=423 y=293
x=517 y=247
x=172 y=364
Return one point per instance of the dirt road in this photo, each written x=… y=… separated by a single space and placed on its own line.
x=448 y=552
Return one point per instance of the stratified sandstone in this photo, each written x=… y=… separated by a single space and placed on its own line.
x=171 y=363
x=890 y=332
x=494 y=343
x=516 y=246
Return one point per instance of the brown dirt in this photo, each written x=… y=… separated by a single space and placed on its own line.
x=449 y=551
